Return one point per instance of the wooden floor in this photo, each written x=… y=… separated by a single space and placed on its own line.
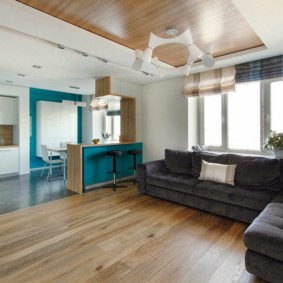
x=103 y=236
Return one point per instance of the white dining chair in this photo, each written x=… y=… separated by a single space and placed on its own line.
x=48 y=161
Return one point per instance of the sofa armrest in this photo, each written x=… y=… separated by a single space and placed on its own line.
x=145 y=169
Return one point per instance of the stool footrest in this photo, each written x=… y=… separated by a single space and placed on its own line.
x=113 y=172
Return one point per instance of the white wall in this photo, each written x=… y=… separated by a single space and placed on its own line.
x=165 y=118
x=86 y=120
x=22 y=93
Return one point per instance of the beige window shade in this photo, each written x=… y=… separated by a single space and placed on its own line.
x=210 y=82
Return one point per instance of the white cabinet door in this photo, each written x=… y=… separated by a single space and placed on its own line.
x=9 y=160
x=55 y=123
x=8 y=110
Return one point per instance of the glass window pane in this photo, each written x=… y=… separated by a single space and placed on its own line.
x=108 y=124
x=276 y=103
x=212 y=120
x=116 y=130
x=244 y=117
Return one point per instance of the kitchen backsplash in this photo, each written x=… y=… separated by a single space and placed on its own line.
x=6 y=135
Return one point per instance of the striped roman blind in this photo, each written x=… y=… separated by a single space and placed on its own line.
x=210 y=82
x=267 y=68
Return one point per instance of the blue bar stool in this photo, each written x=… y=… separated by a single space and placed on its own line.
x=134 y=153
x=114 y=154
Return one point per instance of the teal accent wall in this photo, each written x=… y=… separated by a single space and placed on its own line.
x=96 y=164
x=47 y=95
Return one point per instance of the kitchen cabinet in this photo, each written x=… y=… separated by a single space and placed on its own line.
x=8 y=110
x=55 y=123
x=9 y=160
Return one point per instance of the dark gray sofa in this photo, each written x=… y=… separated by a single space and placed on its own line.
x=256 y=191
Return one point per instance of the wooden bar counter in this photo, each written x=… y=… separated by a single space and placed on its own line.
x=88 y=163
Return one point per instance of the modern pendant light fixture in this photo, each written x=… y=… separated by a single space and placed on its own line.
x=98 y=103
x=185 y=38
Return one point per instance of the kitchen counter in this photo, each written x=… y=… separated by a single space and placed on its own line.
x=105 y=144
x=8 y=146
x=87 y=164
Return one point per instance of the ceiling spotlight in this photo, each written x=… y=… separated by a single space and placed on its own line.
x=8 y=81
x=21 y=75
x=146 y=56
x=36 y=66
x=102 y=59
x=85 y=54
x=60 y=46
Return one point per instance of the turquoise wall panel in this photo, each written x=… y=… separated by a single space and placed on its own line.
x=47 y=95
x=96 y=164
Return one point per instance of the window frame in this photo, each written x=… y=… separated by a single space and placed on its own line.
x=265 y=120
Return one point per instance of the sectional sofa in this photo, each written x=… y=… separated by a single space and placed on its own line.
x=245 y=188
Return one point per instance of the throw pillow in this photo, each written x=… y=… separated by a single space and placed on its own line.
x=178 y=161
x=259 y=172
x=208 y=157
x=217 y=172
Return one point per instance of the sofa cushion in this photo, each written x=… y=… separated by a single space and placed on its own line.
x=198 y=156
x=217 y=172
x=177 y=161
x=251 y=198
x=177 y=182
x=259 y=173
x=265 y=234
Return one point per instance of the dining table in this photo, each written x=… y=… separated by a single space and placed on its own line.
x=60 y=150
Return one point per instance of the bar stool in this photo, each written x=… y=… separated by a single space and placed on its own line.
x=114 y=154
x=134 y=153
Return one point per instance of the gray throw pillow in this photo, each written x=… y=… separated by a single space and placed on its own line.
x=259 y=173
x=178 y=161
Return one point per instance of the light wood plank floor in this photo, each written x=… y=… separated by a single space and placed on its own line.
x=103 y=236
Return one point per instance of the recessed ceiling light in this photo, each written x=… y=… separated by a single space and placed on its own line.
x=36 y=66
x=75 y=87
x=85 y=54
x=21 y=75
x=10 y=82
x=60 y=46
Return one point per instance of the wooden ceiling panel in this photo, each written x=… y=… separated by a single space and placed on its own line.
x=216 y=23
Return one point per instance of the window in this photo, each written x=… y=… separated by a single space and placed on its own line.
x=276 y=102
x=243 y=117
x=112 y=126
x=213 y=120
x=241 y=121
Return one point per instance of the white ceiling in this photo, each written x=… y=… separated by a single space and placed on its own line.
x=29 y=37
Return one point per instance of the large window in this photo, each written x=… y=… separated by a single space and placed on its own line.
x=276 y=103
x=213 y=120
x=243 y=117
x=241 y=120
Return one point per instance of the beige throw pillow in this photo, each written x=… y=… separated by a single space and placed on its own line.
x=217 y=172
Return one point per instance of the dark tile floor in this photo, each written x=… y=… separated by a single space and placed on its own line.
x=18 y=192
